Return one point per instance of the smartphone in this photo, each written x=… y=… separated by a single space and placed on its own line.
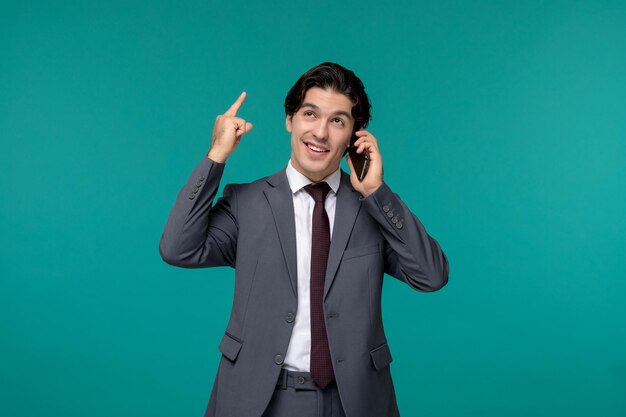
x=360 y=161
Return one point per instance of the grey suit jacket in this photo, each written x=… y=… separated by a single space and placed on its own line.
x=252 y=229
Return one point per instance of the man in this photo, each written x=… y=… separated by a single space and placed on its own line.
x=310 y=246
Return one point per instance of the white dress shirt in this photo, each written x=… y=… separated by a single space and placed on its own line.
x=298 y=355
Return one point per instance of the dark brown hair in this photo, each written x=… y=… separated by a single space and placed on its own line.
x=335 y=77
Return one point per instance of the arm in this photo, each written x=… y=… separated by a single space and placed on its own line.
x=410 y=253
x=198 y=234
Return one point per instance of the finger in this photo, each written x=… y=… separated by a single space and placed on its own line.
x=362 y=147
x=232 y=110
x=241 y=126
x=357 y=142
x=371 y=148
x=362 y=132
x=235 y=122
x=364 y=139
x=366 y=142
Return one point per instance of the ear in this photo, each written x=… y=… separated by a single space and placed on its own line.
x=288 y=123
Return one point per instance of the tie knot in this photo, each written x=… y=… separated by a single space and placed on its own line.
x=318 y=191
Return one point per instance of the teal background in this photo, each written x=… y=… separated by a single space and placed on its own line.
x=502 y=125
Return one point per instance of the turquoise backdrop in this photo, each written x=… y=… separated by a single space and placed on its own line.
x=502 y=124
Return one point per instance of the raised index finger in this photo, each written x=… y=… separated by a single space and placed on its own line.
x=232 y=110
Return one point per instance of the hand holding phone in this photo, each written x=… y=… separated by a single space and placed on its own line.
x=360 y=161
x=366 y=168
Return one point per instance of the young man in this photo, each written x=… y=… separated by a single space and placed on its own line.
x=310 y=246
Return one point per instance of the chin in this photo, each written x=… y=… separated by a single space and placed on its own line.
x=314 y=175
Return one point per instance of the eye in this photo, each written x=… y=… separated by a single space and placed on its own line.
x=338 y=121
x=308 y=113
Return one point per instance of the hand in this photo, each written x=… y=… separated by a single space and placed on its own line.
x=374 y=177
x=227 y=132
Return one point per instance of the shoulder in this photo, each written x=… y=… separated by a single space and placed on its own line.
x=259 y=185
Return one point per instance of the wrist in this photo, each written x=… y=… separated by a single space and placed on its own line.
x=216 y=156
x=369 y=191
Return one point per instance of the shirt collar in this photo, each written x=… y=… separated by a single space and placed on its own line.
x=297 y=181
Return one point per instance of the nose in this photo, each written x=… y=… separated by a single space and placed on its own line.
x=321 y=130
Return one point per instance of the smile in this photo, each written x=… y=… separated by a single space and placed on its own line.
x=315 y=148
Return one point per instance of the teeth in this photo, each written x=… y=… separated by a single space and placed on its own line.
x=315 y=148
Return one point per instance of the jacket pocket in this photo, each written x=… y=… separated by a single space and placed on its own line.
x=381 y=356
x=230 y=346
x=361 y=251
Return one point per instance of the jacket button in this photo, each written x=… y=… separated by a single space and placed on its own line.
x=390 y=214
x=192 y=196
x=399 y=225
x=201 y=178
x=278 y=360
x=386 y=208
x=289 y=318
x=394 y=220
x=198 y=183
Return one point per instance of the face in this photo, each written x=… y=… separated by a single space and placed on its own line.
x=320 y=132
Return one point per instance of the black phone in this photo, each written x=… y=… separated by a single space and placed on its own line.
x=360 y=161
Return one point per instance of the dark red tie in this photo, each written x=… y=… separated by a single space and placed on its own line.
x=321 y=365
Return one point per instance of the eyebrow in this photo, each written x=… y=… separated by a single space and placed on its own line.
x=337 y=113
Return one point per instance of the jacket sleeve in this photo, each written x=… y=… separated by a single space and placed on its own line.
x=198 y=233
x=411 y=255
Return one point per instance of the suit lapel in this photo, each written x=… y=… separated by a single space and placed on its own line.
x=346 y=211
x=281 y=202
